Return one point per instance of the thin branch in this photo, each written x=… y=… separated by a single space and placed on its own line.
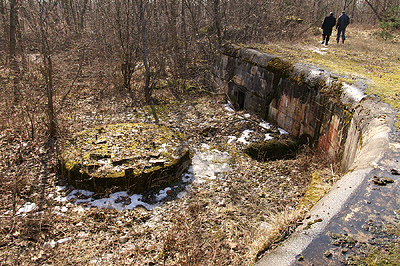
x=73 y=82
x=373 y=9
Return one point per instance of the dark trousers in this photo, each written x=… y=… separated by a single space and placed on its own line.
x=341 y=32
x=325 y=38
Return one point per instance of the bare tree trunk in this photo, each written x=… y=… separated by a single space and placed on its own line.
x=47 y=72
x=83 y=12
x=373 y=9
x=73 y=13
x=217 y=18
x=147 y=88
x=50 y=107
x=184 y=33
x=13 y=45
x=3 y=19
x=13 y=28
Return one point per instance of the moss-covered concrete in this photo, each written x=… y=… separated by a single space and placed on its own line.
x=310 y=103
x=135 y=157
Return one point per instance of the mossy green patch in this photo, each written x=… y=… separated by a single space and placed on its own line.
x=277 y=65
x=315 y=191
x=369 y=60
x=125 y=156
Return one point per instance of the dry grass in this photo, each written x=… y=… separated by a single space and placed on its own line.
x=363 y=57
x=230 y=221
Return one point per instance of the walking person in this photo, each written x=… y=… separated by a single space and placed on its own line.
x=341 y=25
x=327 y=25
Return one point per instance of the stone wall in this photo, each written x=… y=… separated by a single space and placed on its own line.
x=310 y=103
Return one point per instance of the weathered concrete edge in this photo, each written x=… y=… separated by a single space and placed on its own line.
x=325 y=209
x=374 y=148
x=366 y=142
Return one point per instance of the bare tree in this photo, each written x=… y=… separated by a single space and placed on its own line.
x=48 y=66
x=147 y=88
x=374 y=10
x=13 y=45
x=126 y=26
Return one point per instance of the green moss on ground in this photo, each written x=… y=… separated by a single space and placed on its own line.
x=127 y=156
x=362 y=58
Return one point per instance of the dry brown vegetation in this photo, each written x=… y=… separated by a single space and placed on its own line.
x=91 y=59
x=229 y=221
x=259 y=209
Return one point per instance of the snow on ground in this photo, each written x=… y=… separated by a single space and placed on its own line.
x=321 y=50
x=282 y=131
x=268 y=137
x=353 y=92
x=245 y=136
x=265 y=125
x=210 y=164
x=228 y=108
x=207 y=164
x=28 y=207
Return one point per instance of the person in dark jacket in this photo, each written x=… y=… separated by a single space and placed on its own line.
x=341 y=25
x=327 y=25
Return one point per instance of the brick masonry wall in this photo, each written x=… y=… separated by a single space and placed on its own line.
x=306 y=101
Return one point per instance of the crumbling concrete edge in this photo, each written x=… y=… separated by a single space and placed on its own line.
x=375 y=121
x=320 y=214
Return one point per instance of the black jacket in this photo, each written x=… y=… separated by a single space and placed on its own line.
x=328 y=24
x=343 y=21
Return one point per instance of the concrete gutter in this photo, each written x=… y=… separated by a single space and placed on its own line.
x=352 y=200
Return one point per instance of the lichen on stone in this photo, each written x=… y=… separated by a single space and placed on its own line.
x=124 y=156
x=277 y=65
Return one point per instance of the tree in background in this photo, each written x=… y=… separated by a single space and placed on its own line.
x=133 y=44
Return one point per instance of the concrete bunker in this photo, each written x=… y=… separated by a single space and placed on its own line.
x=312 y=104
x=136 y=157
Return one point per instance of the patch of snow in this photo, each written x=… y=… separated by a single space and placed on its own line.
x=265 y=125
x=113 y=201
x=52 y=243
x=188 y=177
x=245 y=135
x=205 y=146
x=28 y=207
x=231 y=139
x=282 y=131
x=210 y=164
x=64 y=240
x=60 y=198
x=162 y=194
x=247 y=116
x=353 y=92
x=314 y=73
x=182 y=194
x=318 y=51
x=79 y=209
x=73 y=194
x=60 y=188
x=228 y=107
x=268 y=137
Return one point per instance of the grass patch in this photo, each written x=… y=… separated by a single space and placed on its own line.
x=364 y=57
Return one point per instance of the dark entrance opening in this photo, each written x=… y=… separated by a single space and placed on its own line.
x=240 y=99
